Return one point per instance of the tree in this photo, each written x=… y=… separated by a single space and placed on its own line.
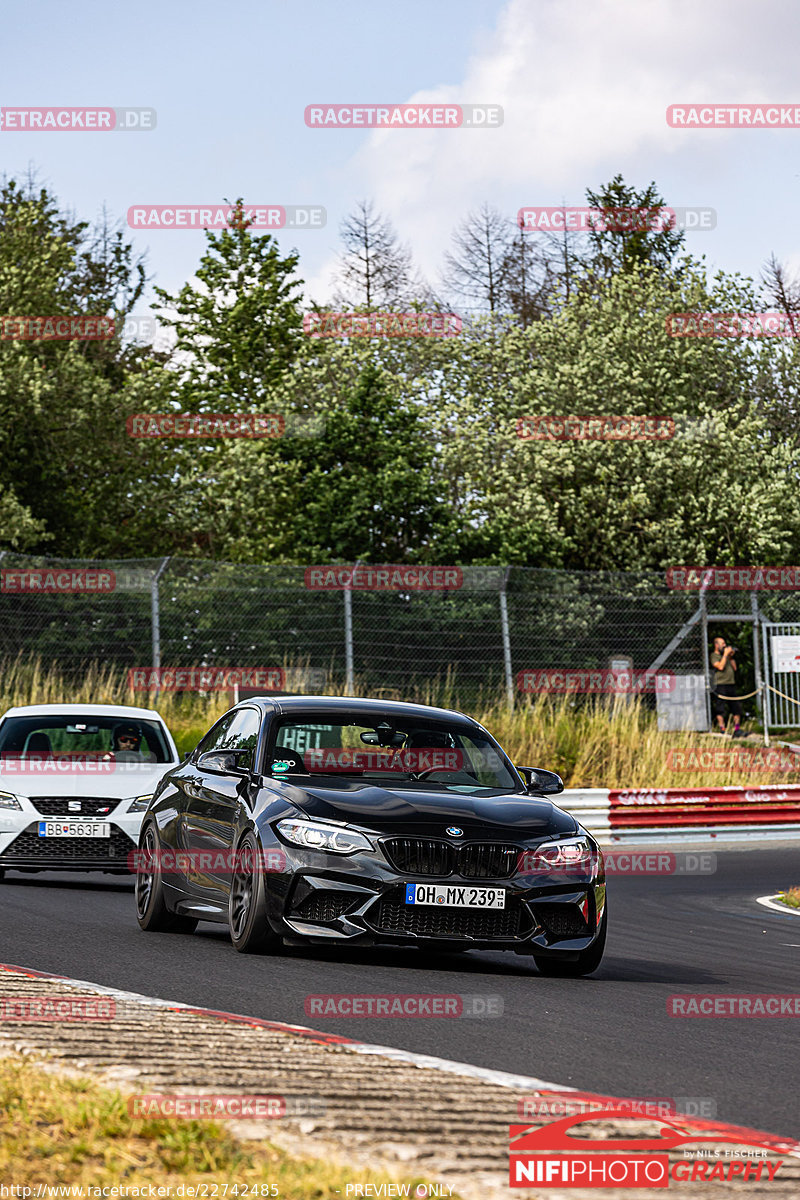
x=240 y=325
x=527 y=276
x=718 y=491
x=69 y=476
x=375 y=269
x=369 y=492
x=779 y=361
x=627 y=241
x=477 y=268
x=783 y=290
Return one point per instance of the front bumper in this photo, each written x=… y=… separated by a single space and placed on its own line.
x=320 y=899
x=21 y=848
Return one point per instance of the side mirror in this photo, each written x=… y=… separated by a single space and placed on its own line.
x=540 y=782
x=222 y=762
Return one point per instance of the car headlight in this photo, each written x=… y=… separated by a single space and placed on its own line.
x=573 y=856
x=312 y=836
x=139 y=803
x=9 y=801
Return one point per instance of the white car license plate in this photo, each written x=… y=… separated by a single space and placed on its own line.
x=75 y=829
x=455 y=895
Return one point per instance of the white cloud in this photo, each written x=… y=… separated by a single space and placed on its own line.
x=584 y=85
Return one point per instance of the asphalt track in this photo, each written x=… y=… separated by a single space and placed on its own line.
x=609 y=1033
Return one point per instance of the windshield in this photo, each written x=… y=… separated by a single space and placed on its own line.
x=385 y=749
x=78 y=736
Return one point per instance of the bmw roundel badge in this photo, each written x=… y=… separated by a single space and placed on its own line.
x=454 y=831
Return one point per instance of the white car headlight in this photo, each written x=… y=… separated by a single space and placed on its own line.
x=572 y=857
x=313 y=836
x=9 y=801
x=139 y=803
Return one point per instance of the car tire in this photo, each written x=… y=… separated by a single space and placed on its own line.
x=250 y=931
x=151 y=908
x=585 y=962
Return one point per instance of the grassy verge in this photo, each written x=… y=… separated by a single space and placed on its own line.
x=791 y=897
x=598 y=742
x=62 y=1130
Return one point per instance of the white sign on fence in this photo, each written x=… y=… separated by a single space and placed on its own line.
x=785 y=653
x=684 y=706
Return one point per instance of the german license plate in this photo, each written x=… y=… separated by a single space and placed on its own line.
x=75 y=829
x=455 y=896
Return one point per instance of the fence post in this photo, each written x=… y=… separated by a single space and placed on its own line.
x=757 y=662
x=506 y=641
x=768 y=666
x=704 y=651
x=348 y=641
x=155 y=615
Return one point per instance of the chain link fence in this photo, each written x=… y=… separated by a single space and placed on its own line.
x=476 y=635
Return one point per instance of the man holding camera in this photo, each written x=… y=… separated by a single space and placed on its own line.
x=724 y=685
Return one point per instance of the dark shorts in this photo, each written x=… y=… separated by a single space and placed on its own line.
x=720 y=700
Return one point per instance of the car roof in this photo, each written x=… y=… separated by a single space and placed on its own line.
x=89 y=710
x=334 y=704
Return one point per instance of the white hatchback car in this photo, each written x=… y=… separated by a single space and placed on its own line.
x=75 y=781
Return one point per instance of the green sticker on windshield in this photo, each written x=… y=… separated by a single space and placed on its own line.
x=281 y=765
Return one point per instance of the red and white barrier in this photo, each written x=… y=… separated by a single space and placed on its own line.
x=727 y=813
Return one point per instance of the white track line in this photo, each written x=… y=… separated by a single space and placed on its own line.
x=775 y=904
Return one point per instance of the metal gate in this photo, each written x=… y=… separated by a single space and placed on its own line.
x=781 y=674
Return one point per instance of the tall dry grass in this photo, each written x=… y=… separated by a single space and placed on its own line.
x=591 y=743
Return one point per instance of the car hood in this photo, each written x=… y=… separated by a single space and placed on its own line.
x=388 y=810
x=126 y=779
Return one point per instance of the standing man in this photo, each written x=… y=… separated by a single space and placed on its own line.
x=724 y=685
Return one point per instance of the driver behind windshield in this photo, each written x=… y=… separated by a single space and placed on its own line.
x=126 y=744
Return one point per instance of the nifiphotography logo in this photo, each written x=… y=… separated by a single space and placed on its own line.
x=549 y=1156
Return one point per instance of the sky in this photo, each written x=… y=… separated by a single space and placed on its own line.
x=584 y=86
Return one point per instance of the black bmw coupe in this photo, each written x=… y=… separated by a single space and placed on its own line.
x=303 y=819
